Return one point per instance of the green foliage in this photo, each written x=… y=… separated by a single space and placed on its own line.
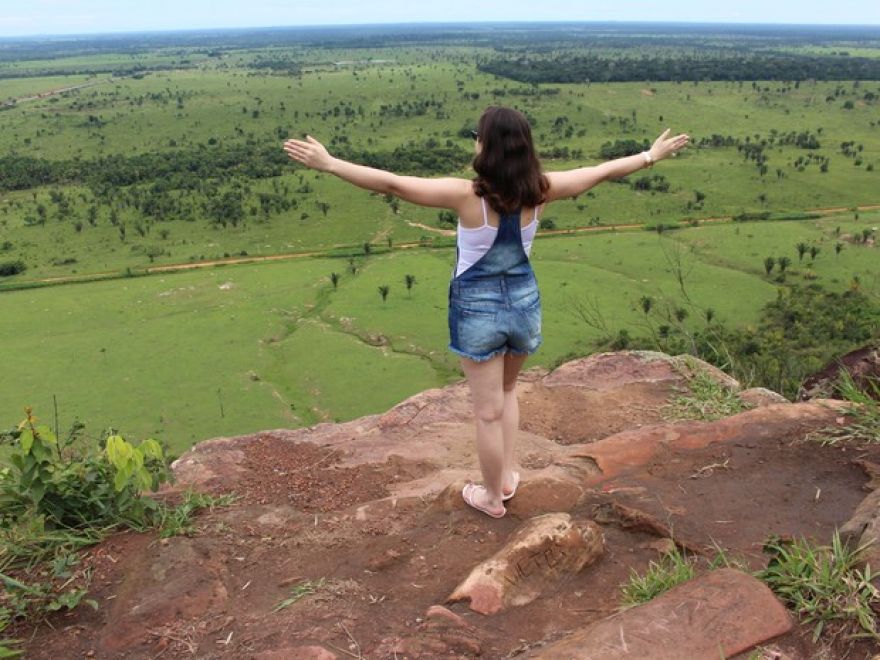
x=555 y=68
x=800 y=331
x=672 y=569
x=36 y=600
x=69 y=486
x=9 y=268
x=621 y=148
x=179 y=520
x=823 y=585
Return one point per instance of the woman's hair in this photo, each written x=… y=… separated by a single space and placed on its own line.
x=508 y=170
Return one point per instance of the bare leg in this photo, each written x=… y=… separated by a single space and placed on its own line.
x=485 y=380
x=510 y=418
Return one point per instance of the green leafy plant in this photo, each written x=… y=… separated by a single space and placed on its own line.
x=74 y=487
x=36 y=600
x=57 y=497
x=823 y=585
x=673 y=568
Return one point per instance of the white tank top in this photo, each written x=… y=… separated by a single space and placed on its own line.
x=474 y=243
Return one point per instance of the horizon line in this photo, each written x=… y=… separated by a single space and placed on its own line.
x=315 y=26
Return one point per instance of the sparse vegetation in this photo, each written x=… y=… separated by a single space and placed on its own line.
x=824 y=586
x=299 y=592
x=861 y=420
x=673 y=568
x=60 y=495
x=706 y=399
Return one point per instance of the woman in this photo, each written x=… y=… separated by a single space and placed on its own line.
x=494 y=304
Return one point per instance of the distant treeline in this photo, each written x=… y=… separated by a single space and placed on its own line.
x=426 y=158
x=118 y=70
x=541 y=36
x=595 y=68
x=187 y=169
x=180 y=169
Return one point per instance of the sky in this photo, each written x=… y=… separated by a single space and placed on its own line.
x=47 y=17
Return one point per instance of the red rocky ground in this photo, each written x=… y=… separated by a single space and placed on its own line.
x=369 y=514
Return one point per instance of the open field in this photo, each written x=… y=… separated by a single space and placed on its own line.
x=203 y=110
x=225 y=350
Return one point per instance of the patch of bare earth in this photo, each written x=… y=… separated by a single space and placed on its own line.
x=322 y=516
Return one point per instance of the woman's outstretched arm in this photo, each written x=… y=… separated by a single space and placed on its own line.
x=571 y=183
x=447 y=193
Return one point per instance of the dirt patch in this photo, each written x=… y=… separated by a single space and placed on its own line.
x=308 y=478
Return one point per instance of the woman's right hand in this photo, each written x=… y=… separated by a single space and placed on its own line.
x=309 y=152
x=665 y=146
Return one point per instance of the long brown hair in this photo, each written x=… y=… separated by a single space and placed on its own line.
x=508 y=171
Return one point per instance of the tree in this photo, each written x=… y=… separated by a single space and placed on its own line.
x=681 y=265
x=710 y=314
x=409 y=280
x=814 y=250
x=802 y=250
x=837 y=248
x=446 y=218
x=383 y=291
x=769 y=262
x=334 y=279
x=646 y=303
x=784 y=263
x=367 y=248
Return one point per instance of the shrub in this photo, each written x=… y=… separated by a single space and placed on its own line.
x=71 y=487
x=10 y=268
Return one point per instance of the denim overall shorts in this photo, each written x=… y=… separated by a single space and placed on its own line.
x=495 y=306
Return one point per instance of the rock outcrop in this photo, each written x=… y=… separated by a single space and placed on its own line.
x=348 y=539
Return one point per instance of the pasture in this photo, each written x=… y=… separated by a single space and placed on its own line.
x=231 y=349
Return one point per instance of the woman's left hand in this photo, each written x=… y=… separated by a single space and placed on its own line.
x=665 y=146
x=309 y=152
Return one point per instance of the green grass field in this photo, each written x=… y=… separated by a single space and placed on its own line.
x=213 y=101
x=233 y=349
x=227 y=350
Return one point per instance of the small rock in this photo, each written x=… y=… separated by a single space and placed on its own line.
x=383 y=560
x=863 y=529
x=760 y=396
x=539 y=553
x=449 y=499
x=544 y=495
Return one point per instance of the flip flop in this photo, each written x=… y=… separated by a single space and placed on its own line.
x=469 y=494
x=504 y=497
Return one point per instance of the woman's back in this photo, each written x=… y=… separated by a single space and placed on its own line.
x=475 y=241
